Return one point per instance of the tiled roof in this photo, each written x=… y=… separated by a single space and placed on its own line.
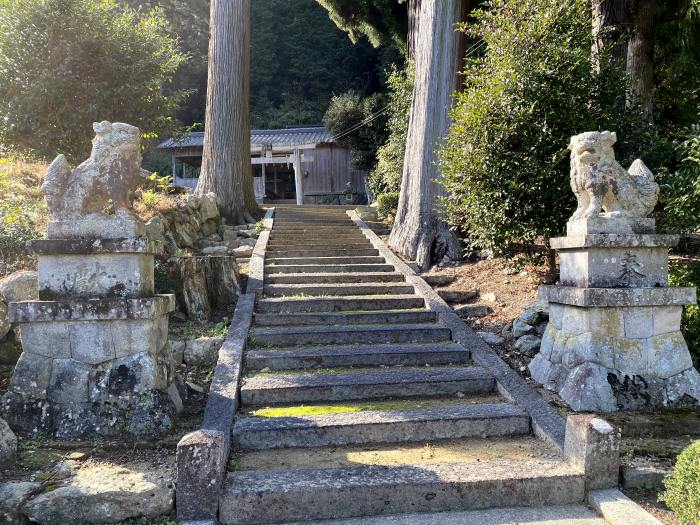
x=259 y=137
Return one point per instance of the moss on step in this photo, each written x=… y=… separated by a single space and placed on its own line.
x=391 y=404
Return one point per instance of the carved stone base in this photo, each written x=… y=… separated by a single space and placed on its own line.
x=97 y=226
x=93 y=367
x=149 y=414
x=608 y=358
x=75 y=268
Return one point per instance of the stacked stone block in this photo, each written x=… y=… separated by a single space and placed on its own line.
x=613 y=339
x=96 y=359
x=95 y=347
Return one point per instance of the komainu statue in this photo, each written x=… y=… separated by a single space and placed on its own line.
x=601 y=183
x=109 y=177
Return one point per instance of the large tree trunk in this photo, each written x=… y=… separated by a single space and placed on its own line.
x=226 y=166
x=611 y=27
x=418 y=232
x=640 y=55
x=413 y=13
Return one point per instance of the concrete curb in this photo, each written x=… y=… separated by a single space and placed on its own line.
x=547 y=424
x=256 y=266
x=202 y=455
x=618 y=509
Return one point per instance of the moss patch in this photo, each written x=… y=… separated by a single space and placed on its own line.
x=398 y=404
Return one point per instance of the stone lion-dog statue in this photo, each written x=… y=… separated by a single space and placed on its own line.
x=108 y=178
x=601 y=183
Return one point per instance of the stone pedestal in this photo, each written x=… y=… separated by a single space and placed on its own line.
x=613 y=340
x=95 y=359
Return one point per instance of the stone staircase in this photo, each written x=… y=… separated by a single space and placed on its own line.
x=357 y=402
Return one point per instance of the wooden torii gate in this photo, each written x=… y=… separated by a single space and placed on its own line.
x=296 y=159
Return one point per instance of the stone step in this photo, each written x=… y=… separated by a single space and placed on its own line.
x=338 y=304
x=319 y=244
x=302 y=241
x=317 y=228
x=288 y=290
x=334 y=278
x=352 y=318
x=280 y=496
x=363 y=355
x=269 y=389
x=327 y=251
x=381 y=426
x=340 y=335
x=329 y=268
x=274 y=261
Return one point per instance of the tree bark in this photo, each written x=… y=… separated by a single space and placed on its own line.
x=640 y=56
x=413 y=13
x=610 y=30
x=418 y=232
x=226 y=165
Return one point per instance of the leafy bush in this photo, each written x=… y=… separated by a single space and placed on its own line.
x=77 y=61
x=349 y=110
x=683 y=486
x=505 y=161
x=386 y=177
x=680 y=190
x=687 y=273
x=387 y=204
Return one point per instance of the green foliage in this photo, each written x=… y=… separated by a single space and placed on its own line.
x=67 y=63
x=680 y=190
x=15 y=230
x=676 y=58
x=386 y=176
x=259 y=227
x=505 y=161
x=687 y=273
x=368 y=115
x=683 y=486
x=387 y=204
x=299 y=60
x=381 y=21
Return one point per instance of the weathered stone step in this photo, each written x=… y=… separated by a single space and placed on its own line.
x=334 y=240
x=331 y=356
x=381 y=426
x=338 y=304
x=327 y=251
x=280 y=496
x=350 y=318
x=330 y=268
x=287 y=290
x=318 y=228
x=339 y=335
x=318 y=244
x=269 y=389
x=335 y=278
x=272 y=261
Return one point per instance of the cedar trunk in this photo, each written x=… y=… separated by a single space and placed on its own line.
x=419 y=233
x=640 y=56
x=611 y=27
x=413 y=13
x=226 y=165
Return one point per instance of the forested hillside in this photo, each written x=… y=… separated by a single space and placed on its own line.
x=300 y=59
